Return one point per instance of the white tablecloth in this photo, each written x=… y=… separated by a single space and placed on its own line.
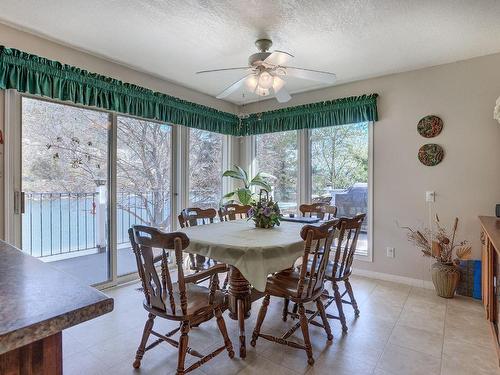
x=255 y=252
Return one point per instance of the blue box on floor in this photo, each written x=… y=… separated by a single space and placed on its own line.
x=470 y=280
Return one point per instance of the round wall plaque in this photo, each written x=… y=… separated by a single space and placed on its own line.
x=430 y=154
x=430 y=126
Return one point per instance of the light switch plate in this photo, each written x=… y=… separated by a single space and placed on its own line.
x=391 y=252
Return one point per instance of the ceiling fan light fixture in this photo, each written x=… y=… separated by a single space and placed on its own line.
x=266 y=80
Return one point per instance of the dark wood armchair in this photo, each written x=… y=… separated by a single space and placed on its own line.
x=233 y=212
x=340 y=269
x=330 y=212
x=302 y=287
x=183 y=301
x=190 y=217
x=314 y=209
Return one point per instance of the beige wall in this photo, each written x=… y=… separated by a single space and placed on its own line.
x=467 y=182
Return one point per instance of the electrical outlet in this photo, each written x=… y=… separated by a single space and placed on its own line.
x=430 y=196
x=391 y=252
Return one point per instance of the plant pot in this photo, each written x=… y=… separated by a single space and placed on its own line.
x=445 y=277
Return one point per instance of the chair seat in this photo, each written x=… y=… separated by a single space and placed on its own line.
x=284 y=284
x=198 y=301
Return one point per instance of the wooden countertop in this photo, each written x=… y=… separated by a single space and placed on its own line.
x=491 y=226
x=37 y=300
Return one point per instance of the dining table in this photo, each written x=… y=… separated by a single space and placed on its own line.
x=252 y=254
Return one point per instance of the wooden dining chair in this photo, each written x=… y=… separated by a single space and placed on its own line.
x=183 y=301
x=193 y=216
x=340 y=268
x=233 y=211
x=314 y=209
x=300 y=287
x=330 y=212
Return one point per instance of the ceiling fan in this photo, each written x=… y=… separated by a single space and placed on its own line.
x=265 y=73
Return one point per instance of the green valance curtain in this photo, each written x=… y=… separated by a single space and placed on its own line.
x=40 y=76
x=317 y=115
x=36 y=75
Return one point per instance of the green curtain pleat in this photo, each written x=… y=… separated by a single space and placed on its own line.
x=39 y=76
x=317 y=115
x=36 y=75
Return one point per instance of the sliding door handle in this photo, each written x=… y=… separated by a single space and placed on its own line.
x=19 y=202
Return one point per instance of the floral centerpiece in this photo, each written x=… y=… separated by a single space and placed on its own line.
x=265 y=212
x=442 y=246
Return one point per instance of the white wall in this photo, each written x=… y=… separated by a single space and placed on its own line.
x=467 y=182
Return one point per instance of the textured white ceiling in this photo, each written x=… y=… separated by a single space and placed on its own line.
x=355 y=39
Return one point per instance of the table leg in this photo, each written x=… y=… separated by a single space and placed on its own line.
x=240 y=303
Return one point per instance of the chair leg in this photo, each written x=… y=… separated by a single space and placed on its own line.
x=260 y=319
x=145 y=335
x=183 y=346
x=322 y=313
x=223 y=331
x=286 y=302
x=304 y=325
x=354 y=304
x=338 y=301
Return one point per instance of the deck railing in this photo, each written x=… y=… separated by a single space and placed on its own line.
x=56 y=223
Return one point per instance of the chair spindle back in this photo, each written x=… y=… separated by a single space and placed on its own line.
x=314 y=209
x=317 y=244
x=234 y=212
x=192 y=216
x=158 y=290
x=349 y=229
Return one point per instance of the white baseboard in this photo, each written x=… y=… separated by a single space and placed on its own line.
x=426 y=284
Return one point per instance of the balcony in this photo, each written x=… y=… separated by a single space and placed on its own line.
x=69 y=231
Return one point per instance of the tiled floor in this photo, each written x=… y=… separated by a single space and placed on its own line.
x=401 y=330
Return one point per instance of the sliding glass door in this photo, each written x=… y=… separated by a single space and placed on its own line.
x=64 y=163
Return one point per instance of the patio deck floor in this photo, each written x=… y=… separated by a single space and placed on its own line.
x=93 y=268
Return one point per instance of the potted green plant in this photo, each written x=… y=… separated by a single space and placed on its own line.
x=244 y=194
x=441 y=245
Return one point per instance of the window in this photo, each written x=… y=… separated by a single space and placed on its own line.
x=277 y=154
x=339 y=168
x=143 y=181
x=205 y=168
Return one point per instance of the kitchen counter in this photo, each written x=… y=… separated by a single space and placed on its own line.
x=37 y=302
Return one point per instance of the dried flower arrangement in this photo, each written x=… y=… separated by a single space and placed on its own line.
x=440 y=244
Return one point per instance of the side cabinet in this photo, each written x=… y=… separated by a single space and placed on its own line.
x=490 y=247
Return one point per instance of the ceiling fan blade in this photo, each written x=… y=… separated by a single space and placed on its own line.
x=278 y=58
x=222 y=70
x=282 y=95
x=311 y=75
x=233 y=87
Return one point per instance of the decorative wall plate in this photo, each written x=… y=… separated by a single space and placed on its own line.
x=430 y=154
x=430 y=126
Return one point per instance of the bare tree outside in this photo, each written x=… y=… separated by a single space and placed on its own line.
x=205 y=168
x=277 y=154
x=339 y=157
